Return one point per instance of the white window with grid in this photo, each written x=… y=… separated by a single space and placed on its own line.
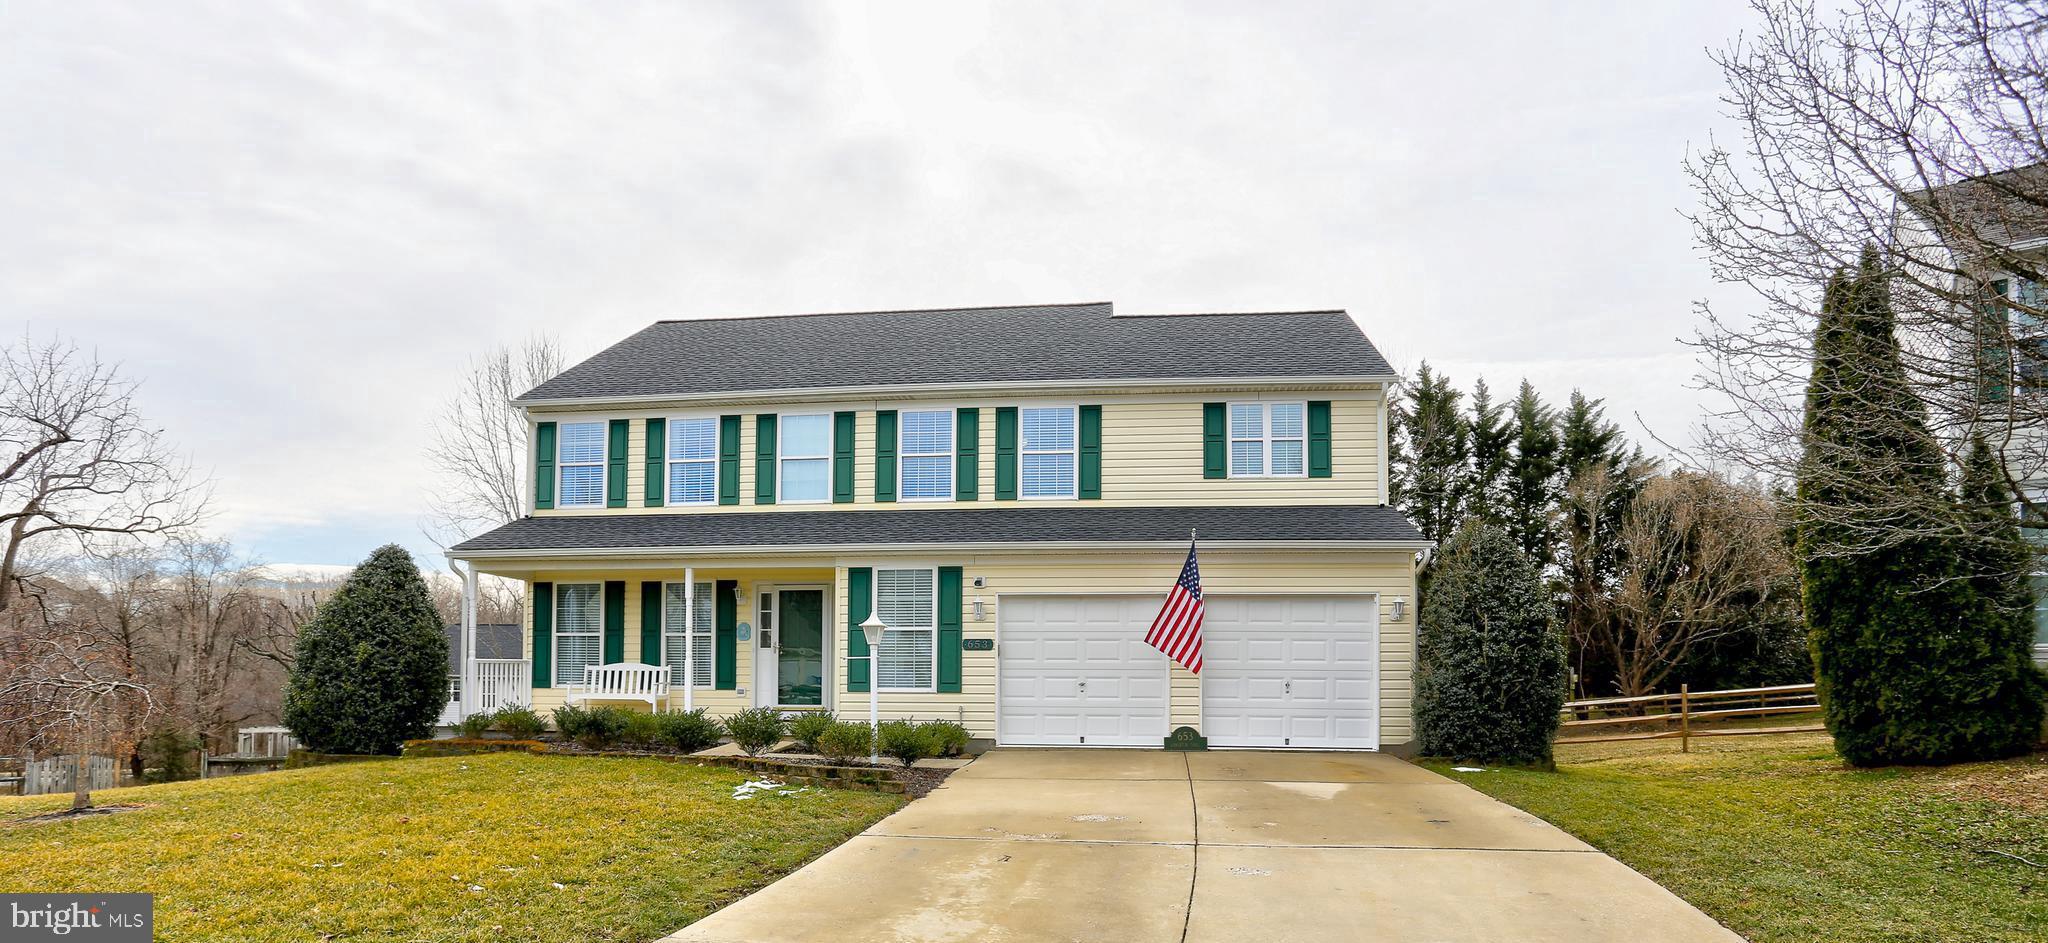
x=805 y=458
x=1269 y=440
x=925 y=453
x=692 y=461
x=579 y=630
x=1049 y=457
x=674 y=605
x=579 y=457
x=907 y=601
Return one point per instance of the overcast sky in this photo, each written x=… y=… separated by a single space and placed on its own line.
x=295 y=224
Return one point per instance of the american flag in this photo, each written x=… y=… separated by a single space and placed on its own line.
x=1178 y=629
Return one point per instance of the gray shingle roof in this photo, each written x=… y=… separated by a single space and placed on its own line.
x=965 y=345
x=936 y=526
x=493 y=640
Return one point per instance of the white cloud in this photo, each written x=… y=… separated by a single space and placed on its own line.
x=297 y=224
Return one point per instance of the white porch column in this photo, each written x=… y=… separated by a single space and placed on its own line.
x=470 y=701
x=689 y=638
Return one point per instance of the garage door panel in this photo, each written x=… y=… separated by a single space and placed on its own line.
x=1291 y=671
x=1075 y=670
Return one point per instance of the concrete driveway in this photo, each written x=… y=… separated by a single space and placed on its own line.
x=1130 y=846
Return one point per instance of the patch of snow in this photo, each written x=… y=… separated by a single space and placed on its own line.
x=1468 y=769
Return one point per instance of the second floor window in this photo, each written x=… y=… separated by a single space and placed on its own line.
x=805 y=459
x=926 y=452
x=1050 y=461
x=581 y=457
x=692 y=461
x=1268 y=440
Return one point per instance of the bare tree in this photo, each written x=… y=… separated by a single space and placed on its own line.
x=61 y=692
x=1700 y=561
x=479 y=447
x=76 y=458
x=1917 y=129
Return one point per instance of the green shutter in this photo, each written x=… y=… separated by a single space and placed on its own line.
x=1319 y=439
x=966 y=454
x=1215 y=464
x=543 y=600
x=949 y=629
x=728 y=459
x=764 y=459
x=615 y=464
x=725 y=644
x=1091 y=451
x=1006 y=453
x=657 y=451
x=842 y=458
x=885 y=456
x=614 y=621
x=544 y=466
x=650 y=622
x=860 y=598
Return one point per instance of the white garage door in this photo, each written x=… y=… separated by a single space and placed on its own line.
x=1075 y=670
x=1291 y=671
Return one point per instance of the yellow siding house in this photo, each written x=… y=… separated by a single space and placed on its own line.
x=717 y=506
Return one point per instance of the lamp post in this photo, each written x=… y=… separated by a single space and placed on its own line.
x=872 y=630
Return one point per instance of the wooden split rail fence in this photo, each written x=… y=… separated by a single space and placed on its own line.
x=1677 y=716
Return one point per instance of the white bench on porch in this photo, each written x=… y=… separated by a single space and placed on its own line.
x=622 y=682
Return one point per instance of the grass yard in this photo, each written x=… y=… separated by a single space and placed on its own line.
x=494 y=847
x=1778 y=840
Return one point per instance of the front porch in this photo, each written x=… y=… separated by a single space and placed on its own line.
x=715 y=635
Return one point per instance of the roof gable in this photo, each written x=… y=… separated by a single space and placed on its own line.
x=966 y=345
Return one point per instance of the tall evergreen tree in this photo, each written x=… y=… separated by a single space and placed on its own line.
x=1531 y=483
x=1999 y=564
x=371 y=670
x=1493 y=439
x=1899 y=632
x=1437 y=446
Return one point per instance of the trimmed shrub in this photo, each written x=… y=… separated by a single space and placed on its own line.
x=845 y=740
x=756 y=729
x=907 y=742
x=1490 y=673
x=371 y=669
x=519 y=721
x=642 y=729
x=595 y=728
x=948 y=738
x=806 y=727
x=474 y=725
x=689 y=731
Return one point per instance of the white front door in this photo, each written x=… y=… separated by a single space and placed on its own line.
x=1291 y=671
x=791 y=642
x=1075 y=671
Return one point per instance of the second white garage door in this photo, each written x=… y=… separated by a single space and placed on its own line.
x=1075 y=671
x=1291 y=671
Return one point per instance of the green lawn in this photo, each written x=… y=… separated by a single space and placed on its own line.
x=1777 y=839
x=504 y=847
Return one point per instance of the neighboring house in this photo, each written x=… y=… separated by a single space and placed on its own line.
x=495 y=642
x=1010 y=490
x=1988 y=236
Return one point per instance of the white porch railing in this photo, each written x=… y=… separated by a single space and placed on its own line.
x=621 y=682
x=500 y=682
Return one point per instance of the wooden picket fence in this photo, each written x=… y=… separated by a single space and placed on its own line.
x=1680 y=716
x=58 y=773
